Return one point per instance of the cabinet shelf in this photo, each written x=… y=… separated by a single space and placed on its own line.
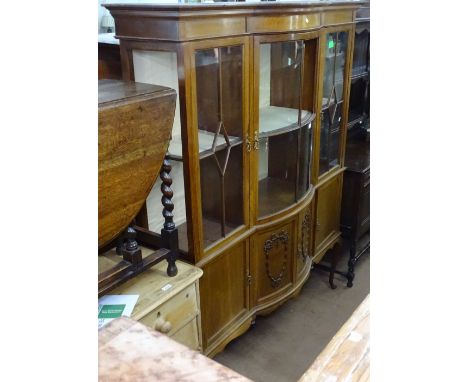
x=275 y=120
x=325 y=102
x=205 y=145
x=211 y=233
x=332 y=56
x=278 y=193
x=359 y=74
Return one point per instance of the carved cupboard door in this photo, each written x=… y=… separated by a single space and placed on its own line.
x=224 y=294
x=272 y=263
x=304 y=240
x=327 y=225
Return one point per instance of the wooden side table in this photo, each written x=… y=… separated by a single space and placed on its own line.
x=355 y=204
x=346 y=358
x=170 y=305
x=129 y=351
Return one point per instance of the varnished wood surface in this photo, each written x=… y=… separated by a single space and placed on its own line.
x=347 y=356
x=115 y=93
x=272 y=260
x=129 y=351
x=186 y=28
x=328 y=212
x=135 y=122
x=224 y=292
x=305 y=240
x=188 y=22
x=273 y=303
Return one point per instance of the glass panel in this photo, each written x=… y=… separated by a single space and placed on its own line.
x=332 y=101
x=305 y=155
x=220 y=139
x=284 y=129
x=359 y=94
x=357 y=98
x=160 y=68
x=361 y=50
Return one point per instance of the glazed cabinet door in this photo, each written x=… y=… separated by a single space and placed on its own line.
x=224 y=295
x=284 y=116
x=272 y=263
x=327 y=225
x=359 y=93
x=335 y=59
x=219 y=83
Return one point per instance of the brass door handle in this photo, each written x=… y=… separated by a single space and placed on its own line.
x=256 y=144
x=248 y=146
x=163 y=326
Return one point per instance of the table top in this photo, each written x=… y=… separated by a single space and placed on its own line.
x=130 y=351
x=346 y=357
x=111 y=91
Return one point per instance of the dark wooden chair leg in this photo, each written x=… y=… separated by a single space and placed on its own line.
x=169 y=232
x=119 y=248
x=172 y=239
x=131 y=251
x=351 y=263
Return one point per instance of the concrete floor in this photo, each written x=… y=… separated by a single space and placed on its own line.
x=281 y=346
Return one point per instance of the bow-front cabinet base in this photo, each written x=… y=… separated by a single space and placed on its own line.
x=255 y=275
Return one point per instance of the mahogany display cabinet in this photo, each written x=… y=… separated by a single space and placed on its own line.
x=262 y=99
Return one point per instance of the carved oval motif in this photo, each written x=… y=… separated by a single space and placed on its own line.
x=276 y=239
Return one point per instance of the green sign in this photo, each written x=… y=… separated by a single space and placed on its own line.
x=331 y=44
x=111 y=311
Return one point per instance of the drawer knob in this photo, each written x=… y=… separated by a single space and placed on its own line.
x=163 y=326
x=166 y=328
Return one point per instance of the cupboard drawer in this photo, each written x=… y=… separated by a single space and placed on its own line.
x=188 y=335
x=177 y=311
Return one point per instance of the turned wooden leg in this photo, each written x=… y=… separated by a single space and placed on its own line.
x=131 y=251
x=119 y=248
x=171 y=237
x=169 y=232
x=351 y=263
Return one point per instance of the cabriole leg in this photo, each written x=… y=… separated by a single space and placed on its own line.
x=351 y=263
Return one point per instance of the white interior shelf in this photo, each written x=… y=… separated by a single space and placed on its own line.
x=277 y=120
x=205 y=144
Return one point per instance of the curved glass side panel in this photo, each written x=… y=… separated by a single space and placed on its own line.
x=332 y=101
x=283 y=139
